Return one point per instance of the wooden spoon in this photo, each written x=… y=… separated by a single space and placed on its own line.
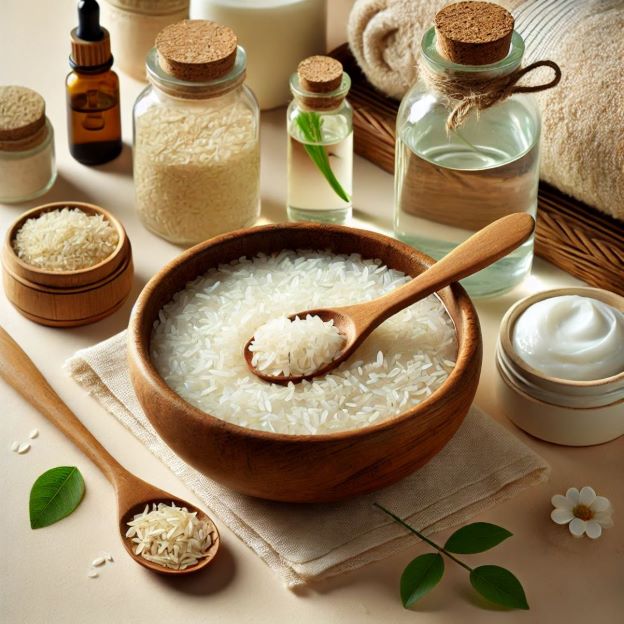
x=357 y=321
x=18 y=370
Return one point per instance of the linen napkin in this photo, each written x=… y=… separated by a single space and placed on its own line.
x=482 y=465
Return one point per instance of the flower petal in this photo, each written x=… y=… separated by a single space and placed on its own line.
x=561 y=516
x=587 y=496
x=593 y=529
x=577 y=527
x=604 y=518
x=600 y=504
x=561 y=502
x=573 y=495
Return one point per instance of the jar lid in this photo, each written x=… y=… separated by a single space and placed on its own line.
x=157 y=7
x=196 y=50
x=474 y=33
x=320 y=74
x=320 y=82
x=22 y=113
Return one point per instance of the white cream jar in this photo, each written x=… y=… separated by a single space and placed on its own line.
x=560 y=358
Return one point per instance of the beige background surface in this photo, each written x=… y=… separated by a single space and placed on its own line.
x=43 y=573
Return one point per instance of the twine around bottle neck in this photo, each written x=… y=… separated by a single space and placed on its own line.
x=470 y=91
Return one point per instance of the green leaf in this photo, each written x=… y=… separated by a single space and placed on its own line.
x=420 y=576
x=499 y=586
x=311 y=127
x=475 y=538
x=54 y=495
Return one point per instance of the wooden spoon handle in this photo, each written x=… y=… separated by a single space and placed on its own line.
x=19 y=371
x=480 y=250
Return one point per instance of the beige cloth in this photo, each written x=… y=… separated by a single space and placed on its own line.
x=481 y=466
x=582 y=150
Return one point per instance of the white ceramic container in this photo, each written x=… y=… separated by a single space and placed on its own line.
x=573 y=413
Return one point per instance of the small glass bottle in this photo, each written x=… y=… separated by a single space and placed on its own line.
x=449 y=184
x=93 y=112
x=320 y=143
x=196 y=136
x=27 y=164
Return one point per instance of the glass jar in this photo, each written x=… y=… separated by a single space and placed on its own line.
x=27 y=164
x=320 y=153
x=196 y=154
x=134 y=24
x=450 y=184
x=27 y=167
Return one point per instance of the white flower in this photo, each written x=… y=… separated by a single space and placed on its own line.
x=584 y=511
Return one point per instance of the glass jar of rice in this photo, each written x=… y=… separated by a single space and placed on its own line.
x=196 y=136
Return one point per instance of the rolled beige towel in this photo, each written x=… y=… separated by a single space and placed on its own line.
x=582 y=151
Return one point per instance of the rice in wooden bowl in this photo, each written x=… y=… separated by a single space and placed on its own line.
x=386 y=412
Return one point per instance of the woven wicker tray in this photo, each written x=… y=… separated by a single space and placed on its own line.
x=573 y=236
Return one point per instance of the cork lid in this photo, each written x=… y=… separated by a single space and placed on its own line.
x=22 y=113
x=320 y=74
x=87 y=54
x=474 y=33
x=196 y=50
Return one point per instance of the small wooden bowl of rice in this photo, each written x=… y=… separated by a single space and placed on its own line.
x=66 y=264
x=382 y=414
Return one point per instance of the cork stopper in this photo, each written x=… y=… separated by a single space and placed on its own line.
x=474 y=33
x=320 y=74
x=22 y=113
x=87 y=54
x=196 y=50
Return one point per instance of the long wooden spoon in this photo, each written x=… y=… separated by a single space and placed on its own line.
x=356 y=322
x=18 y=370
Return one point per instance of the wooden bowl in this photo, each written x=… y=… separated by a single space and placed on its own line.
x=302 y=468
x=67 y=298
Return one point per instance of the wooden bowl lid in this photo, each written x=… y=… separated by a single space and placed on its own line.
x=474 y=33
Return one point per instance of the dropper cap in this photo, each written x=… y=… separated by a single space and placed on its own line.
x=90 y=42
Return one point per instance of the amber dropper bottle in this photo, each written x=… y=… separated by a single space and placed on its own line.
x=93 y=113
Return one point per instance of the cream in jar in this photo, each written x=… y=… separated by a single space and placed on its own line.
x=571 y=337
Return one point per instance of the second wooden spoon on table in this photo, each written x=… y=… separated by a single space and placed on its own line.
x=356 y=322
x=18 y=370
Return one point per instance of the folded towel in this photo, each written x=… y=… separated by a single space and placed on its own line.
x=481 y=466
x=582 y=152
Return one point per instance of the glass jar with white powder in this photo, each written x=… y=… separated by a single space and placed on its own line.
x=27 y=164
x=196 y=136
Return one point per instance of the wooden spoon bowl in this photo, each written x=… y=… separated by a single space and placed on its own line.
x=302 y=468
x=127 y=513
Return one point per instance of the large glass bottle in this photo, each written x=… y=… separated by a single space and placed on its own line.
x=320 y=143
x=449 y=184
